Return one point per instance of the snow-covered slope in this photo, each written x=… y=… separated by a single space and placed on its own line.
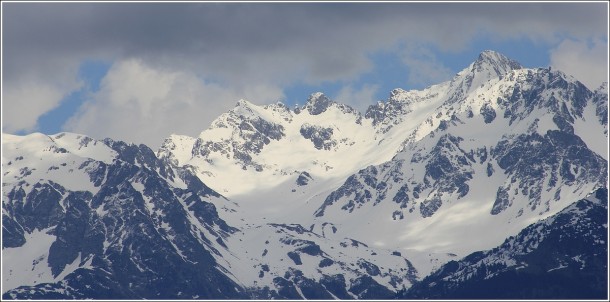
x=492 y=150
x=104 y=219
x=28 y=159
x=562 y=257
x=515 y=150
x=130 y=212
x=253 y=148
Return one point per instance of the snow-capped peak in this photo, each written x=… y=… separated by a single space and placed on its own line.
x=488 y=66
x=246 y=109
x=494 y=61
x=243 y=103
x=317 y=103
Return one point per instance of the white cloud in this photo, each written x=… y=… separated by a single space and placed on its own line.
x=588 y=63
x=360 y=99
x=141 y=104
x=26 y=99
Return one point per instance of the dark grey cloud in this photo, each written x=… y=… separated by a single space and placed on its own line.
x=312 y=32
x=255 y=48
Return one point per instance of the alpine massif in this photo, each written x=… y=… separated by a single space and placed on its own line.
x=490 y=185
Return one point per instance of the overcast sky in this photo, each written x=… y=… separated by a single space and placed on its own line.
x=142 y=71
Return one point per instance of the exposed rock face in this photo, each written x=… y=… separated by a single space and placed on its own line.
x=128 y=239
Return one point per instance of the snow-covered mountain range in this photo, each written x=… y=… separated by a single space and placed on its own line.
x=317 y=201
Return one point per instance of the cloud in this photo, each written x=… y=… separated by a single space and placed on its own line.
x=141 y=104
x=360 y=99
x=285 y=41
x=30 y=96
x=587 y=62
x=228 y=50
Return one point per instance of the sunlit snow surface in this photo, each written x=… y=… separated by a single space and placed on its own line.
x=63 y=158
x=459 y=227
x=27 y=264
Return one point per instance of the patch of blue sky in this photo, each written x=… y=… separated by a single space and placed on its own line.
x=91 y=73
x=528 y=52
x=297 y=93
x=388 y=72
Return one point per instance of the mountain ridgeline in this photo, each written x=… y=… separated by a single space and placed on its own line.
x=492 y=185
